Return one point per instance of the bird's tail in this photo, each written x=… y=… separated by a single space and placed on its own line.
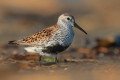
x=12 y=42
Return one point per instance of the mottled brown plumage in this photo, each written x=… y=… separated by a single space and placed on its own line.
x=41 y=35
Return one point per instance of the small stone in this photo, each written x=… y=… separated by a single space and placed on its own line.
x=65 y=69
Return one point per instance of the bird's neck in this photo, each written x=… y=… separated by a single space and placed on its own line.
x=64 y=25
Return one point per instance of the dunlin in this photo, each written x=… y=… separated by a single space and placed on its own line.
x=52 y=40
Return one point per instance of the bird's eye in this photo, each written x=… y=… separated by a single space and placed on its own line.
x=68 y=18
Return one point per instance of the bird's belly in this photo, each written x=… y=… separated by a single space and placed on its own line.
x=48 y=50
x=33 y=49
x=54 y=49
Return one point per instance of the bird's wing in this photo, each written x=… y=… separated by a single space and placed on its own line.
x=37 y=37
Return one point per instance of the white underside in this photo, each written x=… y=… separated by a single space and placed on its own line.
x=33 y=50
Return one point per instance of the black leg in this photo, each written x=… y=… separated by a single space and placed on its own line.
x=40 y=59
x=56 y=60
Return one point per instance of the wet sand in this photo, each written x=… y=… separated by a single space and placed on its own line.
x=84 y=69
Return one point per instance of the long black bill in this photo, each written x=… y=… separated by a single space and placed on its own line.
x=77 y=26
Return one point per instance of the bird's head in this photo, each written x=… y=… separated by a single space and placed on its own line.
x=67 y=19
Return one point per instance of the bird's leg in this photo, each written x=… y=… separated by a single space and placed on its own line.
x=40 y=59
x=56 y=60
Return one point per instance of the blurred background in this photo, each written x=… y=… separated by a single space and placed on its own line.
x=99 y=18
x=20 y=18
